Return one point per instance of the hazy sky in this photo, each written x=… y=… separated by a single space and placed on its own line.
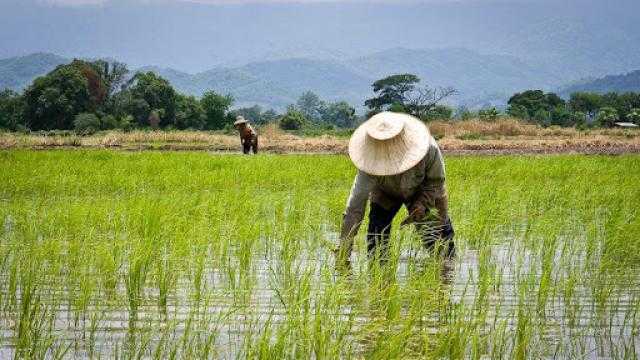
x=197 y=36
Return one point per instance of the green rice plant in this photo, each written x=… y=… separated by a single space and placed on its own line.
x=185 y=254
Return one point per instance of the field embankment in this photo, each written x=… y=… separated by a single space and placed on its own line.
x=500 y=137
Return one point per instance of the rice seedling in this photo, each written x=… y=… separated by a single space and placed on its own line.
x=195 y=255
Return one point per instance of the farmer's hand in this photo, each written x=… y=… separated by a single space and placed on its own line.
x=343 y=265
x=417 y=213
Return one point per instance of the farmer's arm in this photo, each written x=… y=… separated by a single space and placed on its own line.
x=354 y=214
x=432 y=193
x=434 y=182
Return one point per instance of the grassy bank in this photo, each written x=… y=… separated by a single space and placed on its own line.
x=162 y=254
x=504 y=136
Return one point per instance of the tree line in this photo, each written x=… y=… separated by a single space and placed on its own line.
x=582 y=109
x=402 y=93
x=89 y=96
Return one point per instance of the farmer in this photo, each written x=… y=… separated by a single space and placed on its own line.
x=399 y=163
x=248 y=136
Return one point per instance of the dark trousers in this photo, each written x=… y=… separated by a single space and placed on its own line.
x=249 y=145
x=431 y=230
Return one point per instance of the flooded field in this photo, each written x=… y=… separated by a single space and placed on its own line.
x=194 y=255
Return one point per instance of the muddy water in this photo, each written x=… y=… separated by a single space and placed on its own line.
x=587 y=324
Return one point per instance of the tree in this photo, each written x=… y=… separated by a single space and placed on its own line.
x=561 y=116
x=86 y=124
x=311 y=106
x=269 y=116
x=293 y=119
x=528 y=103
x=11 y=109
x=542 y=117
x=253 y=114
x=634 y=116
x=423 y=103
x=53 y=100
x=96 y=86
x=519 y=111
x=607 y=116
x=189 y=113
x=438 y=112
x=391 y=90
x=585 y=102
x=399 y=93
x=340 y=114
x=113 y=75
x=215 y=107
x=151 y=93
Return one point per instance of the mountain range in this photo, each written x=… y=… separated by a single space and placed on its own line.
x=479 y=79
x=629 y=82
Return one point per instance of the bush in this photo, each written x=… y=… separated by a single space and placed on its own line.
x=634 y=116
x=292 y=120
x=86 y=124
x=488 y=114
x=607 y=116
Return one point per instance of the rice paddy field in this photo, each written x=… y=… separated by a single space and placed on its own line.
x=107 y=254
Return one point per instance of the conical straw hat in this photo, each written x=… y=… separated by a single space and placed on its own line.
x=389 y=143
x=240 y=120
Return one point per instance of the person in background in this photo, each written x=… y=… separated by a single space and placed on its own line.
x=248 y=135
x=399 y=163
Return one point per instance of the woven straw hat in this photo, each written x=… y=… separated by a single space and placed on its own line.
x=240 y=120
x=389 y=144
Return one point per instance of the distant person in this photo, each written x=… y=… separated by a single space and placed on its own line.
x=399 y=163
x=248 y=136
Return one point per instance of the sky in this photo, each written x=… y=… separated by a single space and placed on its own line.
x=199 y=35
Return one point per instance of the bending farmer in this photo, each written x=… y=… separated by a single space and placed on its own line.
x=399 y=163
x=248 y=136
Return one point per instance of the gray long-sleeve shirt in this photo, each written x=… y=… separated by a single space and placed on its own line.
x=427 y=176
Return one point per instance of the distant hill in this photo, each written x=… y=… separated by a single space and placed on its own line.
x=274 y=84
x=18 y=72
x=480 y=78
x=612 y=83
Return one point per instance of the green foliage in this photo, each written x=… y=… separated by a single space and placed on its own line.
x=293 y=119
x=398 y=93
x=86 y=124
x=319 y=112
x=490 y=114
x=439 y=112
x=588 y=103
x=340 y=114
x=549 y=109
x=531 y=104
x=255 y=114
x=189 y=114
x=311 y=106
x=145 y=233
x=561 y=116
x=152 y=98
x=53 y=100
x=215 y=107
x=11 y=110
x=607 y=116
x=391 y=90
x=463 y=113
x=634 y=116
